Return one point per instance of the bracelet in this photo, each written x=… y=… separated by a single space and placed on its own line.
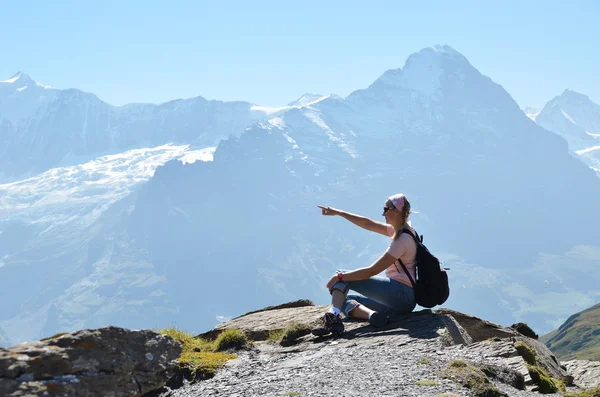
x=340 y=275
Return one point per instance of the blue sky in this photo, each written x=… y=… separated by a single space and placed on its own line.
x=270 y=53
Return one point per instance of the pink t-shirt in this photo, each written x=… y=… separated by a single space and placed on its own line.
x=405 y=248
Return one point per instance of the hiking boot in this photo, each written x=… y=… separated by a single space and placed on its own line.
x=332 y=324
x=379 y=319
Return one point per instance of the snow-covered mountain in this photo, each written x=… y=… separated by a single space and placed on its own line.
x=21 y=97
x=500 y=200
x=575 y=117
x=42 y=128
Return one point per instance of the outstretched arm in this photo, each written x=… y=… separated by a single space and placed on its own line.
x=364 y=222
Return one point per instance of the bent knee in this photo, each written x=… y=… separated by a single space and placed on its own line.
x=340 y=286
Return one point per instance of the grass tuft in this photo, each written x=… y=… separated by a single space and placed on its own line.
x=294 y=331
x=424 y=361
x=585 y=393
x=199 y=357
x=53 y=336
x=426 y=382
x=275 y=335
x=457 y=364
x=231 y=339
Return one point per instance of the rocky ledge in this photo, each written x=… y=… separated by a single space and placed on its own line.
x=107 y=361
x=425 y=353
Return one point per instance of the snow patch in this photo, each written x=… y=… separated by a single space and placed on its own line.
x=12 y=79
x=587 y=150
x=594 y=135
x=277 y=122
x=22 y=88
x=531 y=112
x=192 y=156
x=269 y=110
x=316 y=118
x=567 y=116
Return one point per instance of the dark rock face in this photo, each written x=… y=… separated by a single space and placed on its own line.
x=107 y=361
x=524 y=329
x=505 y=375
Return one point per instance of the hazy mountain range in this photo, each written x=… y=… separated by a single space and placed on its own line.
x=506 y=204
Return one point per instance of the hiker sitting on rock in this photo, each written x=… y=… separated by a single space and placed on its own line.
x=380 y=294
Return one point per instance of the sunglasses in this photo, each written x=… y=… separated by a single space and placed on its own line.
x=386 y=209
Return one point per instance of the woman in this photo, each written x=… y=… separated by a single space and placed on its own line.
x=380 y=294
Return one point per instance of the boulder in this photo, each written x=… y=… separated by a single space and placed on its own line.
x=108 y=361
x=478 y=328
x=525 y=329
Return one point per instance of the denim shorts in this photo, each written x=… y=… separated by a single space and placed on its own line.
x=377 y=293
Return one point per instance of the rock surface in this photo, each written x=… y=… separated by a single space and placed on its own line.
x=107 y=361
x=390 y=361
x=586 y=373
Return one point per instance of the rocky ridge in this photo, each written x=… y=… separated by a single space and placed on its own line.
x=415 y=355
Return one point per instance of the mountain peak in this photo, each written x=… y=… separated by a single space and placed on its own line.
x=434 y=54
x=20 y=78
x=423 y=69
x=572 y=95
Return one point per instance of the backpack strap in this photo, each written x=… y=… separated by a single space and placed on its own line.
x=408 y=231
x=406 y=271
x=414 y=236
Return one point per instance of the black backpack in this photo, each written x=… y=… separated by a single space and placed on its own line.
x=431 y=286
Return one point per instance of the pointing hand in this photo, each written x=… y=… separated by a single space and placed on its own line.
x=328 y=210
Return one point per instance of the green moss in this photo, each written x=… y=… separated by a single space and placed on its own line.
x=585 y=393
x=426 y=382
x=526 y=352
x=231 y=339
x=545 y=382
x=292 y=393
x=471 y=378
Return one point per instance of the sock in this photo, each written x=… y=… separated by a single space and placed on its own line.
x=371 y=315
x=335 y=311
